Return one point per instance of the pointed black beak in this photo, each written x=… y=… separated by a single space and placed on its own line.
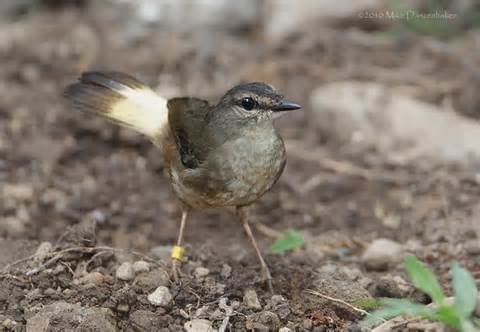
x=286 y=105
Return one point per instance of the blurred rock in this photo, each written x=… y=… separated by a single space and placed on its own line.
x=188 y=15
x=62 y=316
x=201 y=272
x=381 y=253
x=263 y=321
x=199 y=325
x=472 y=247
x=160 y=297
x=250 y=298
x=141 y=266
x=125 y=272
x=285 y=17
x=403 y=129
x=43 y=251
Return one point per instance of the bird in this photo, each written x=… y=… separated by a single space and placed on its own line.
x=217 y=155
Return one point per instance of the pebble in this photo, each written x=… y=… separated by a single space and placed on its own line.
x=285 y=329
x=198 y=325
x=381 y=253
x=141 y=266
x=279 y=304
x=226 y=271
x=160 y=297
x=250 y=299
x=201 y=272
x=125 y=272
x=472 y=247
x=43 y=251
x=265 y=318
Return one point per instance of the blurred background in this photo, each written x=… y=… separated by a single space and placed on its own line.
x=386 y=146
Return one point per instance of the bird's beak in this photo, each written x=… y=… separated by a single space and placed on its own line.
x=286 y=105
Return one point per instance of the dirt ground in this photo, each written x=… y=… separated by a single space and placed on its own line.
x=98 y=195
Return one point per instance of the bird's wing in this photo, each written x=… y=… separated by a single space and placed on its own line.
x=188 y=124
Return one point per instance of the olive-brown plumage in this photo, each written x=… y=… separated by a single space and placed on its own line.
x=227 y=154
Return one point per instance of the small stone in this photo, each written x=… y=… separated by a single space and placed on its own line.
x=125 y=272
x=472 y=247
x=250 y=299
x=226 y=271
x=381 y=253
x=161 y=252
x=265 y=318
x=161 y=297
x=199 y=325
x=279 y=304
x=141 y=266
x=201 y=272
x=9 y=324
x=285 y=329
x=123 y=307
x=94 y=278
x=18 y=192
x=307 y=324
x=43 y=250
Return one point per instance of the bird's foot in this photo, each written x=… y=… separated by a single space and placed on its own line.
x=267 y=278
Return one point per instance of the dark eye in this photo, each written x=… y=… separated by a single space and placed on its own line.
x=248 y=103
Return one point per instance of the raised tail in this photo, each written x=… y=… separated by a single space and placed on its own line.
x=122 y=99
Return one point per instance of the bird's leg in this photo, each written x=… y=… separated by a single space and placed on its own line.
x=242 y=212
x=178 y=250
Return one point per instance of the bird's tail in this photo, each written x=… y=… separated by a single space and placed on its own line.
x=121 y=99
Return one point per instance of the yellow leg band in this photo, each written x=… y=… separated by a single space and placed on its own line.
x=178 y=252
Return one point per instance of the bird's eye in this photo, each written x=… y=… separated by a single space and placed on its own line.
x=248 y=103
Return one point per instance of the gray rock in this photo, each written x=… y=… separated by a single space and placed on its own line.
x=264 y=319
x=472 y=247
x=201 y=272
x=125 y=272
x=199 y=325
x=226 y=271
x=286 y=17
x=141 y=266
x=250 y=298
x=43 y=251
x=279 y=305
x=62 y=316
x=285 y=329
x=161 y=297
x=381 y=253
x=405 y=130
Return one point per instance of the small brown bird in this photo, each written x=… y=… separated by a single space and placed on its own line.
x=223 y=155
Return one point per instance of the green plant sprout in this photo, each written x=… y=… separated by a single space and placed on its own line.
x=457 y=315
x=289 y=240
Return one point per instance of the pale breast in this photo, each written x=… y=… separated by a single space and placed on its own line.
x=236 y=173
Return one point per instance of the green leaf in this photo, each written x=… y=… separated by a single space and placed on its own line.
x=288 y=241
x=397 y=307
x=465 y=291
x=424 y=279
x=448 y=315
